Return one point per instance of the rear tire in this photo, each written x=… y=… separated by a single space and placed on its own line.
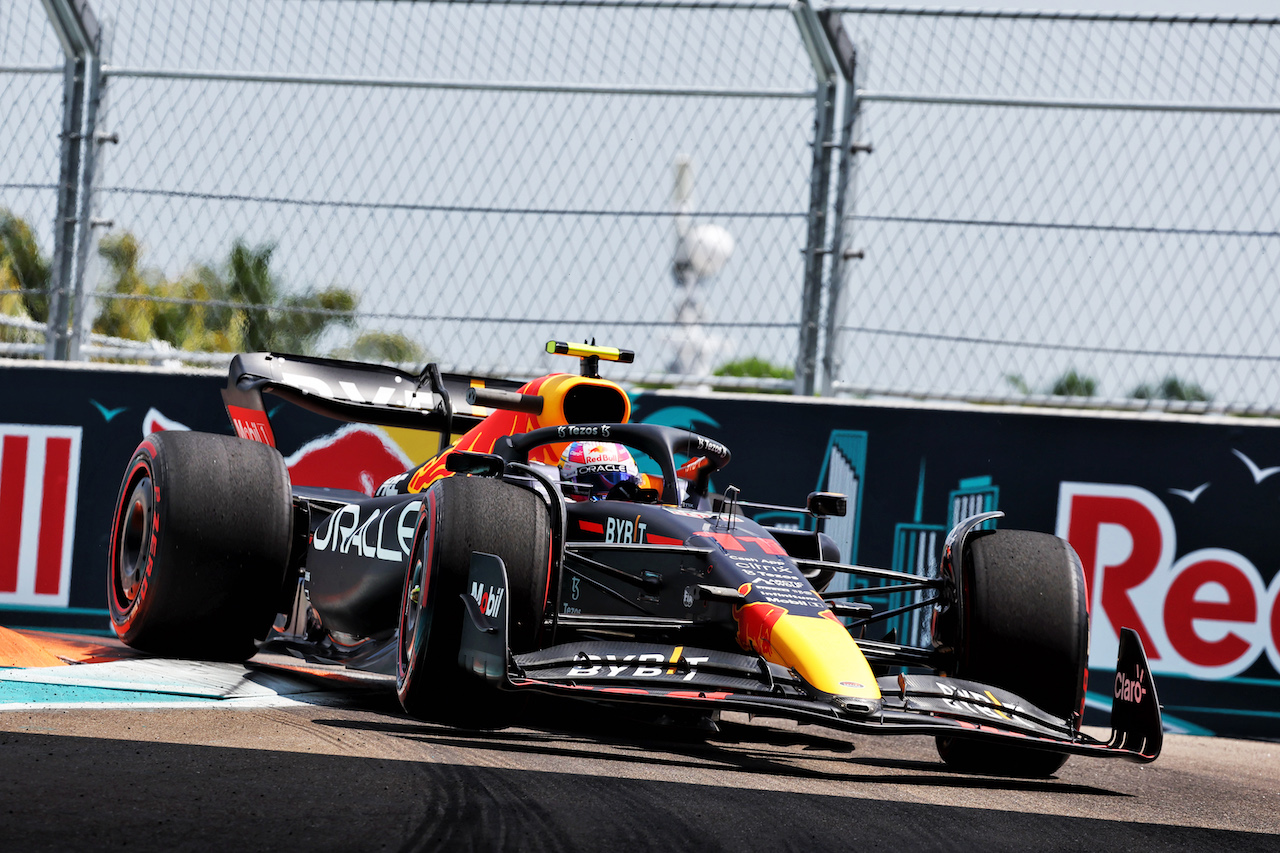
x=460 y=515
x=1026 y=629
x=199 y=545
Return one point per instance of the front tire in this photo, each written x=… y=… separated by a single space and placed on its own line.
x=1025 y=629
x=459 y=515
x=199 y=545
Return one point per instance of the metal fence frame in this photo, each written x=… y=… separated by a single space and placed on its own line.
x=87 y=74
x=830 y=251
x=833 y=381
x=80 y=36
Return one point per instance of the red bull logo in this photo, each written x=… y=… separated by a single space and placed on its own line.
x=156 y=421
x=819 y=649
x=358 y=458
x=755 y=626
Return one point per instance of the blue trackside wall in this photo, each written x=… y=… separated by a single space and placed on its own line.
x=1173 y=517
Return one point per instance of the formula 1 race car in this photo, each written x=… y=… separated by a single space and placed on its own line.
x=480 y=575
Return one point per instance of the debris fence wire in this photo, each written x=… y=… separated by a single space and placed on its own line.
x=1053 y=206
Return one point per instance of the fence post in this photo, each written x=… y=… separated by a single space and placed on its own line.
x=84 y=232
x=841 y=252
x=819 y=184
x=64 y=226
x=77 y=30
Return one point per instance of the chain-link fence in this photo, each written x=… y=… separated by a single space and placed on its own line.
x=1055 y=205
x=31 y=114
x=1065 y=204
x=456 y=181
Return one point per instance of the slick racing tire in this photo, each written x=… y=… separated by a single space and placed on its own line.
x=199 y=545
x=1026 y=629
x=462 y=514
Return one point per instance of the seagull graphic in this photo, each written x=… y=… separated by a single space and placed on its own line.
x=1192 y=494
x=1259 y=474
x=106 y=413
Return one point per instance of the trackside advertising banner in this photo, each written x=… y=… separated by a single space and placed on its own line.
x=1174 y=518
x=66 y=435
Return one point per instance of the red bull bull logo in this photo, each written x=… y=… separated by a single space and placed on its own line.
x=755 y=626
x=358 y=458
x=819 y=648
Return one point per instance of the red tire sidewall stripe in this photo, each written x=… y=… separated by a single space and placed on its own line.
x=143 y=461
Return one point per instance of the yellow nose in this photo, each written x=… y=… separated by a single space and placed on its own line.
x=823 y=653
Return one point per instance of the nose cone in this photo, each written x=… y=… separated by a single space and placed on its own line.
x=819 y=648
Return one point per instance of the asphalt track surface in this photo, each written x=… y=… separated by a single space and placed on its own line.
x=339 y=767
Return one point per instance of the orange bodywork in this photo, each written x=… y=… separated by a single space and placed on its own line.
x=482 y=438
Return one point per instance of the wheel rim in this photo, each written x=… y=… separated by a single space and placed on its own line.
x=134 y=534
x=414 y=594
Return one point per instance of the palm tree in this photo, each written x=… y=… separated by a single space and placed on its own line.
x=24 y=272
x=237 y=308
x=273 y=321
x=387 y=347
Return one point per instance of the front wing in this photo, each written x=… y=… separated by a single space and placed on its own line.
x=681 y=676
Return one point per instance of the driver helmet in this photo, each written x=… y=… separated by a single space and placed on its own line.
x=600 y=465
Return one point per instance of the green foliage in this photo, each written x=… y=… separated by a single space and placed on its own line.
x=1072 y=384
x=1018 y=383
x=387 y=347
x=24 y=272
x=1069 y=384
x=155 y=308
x=298 y=321
x=755 y=367
x=184 y=312
x=1172 y=388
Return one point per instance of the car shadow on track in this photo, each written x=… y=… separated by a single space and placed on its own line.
x=570 y=731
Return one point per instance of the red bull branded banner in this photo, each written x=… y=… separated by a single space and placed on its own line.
x=39 y=478
x=1174 y=519
x=60 y=470
x=1173 y=516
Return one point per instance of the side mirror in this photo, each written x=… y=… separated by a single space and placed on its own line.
x=827 y=504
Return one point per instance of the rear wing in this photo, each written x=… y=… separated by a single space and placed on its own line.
x=352 y=391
